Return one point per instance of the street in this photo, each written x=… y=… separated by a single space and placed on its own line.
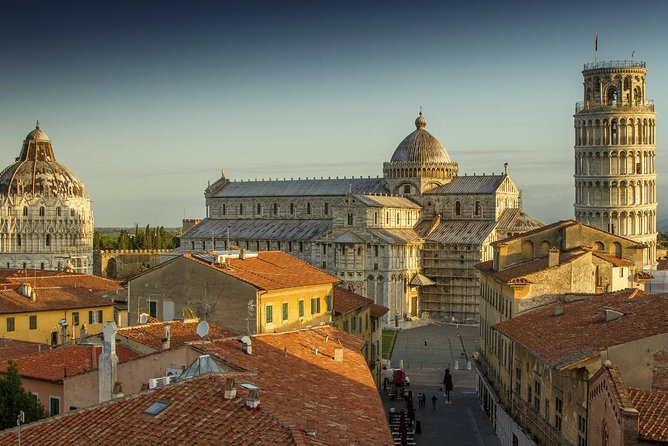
x=462 y=422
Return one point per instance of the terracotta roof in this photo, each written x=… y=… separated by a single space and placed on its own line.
x=271 y=270
x=61 y=362
x=11 y=301
x=345 y=300
x=565 y=224
x=63 y=279
x=299 y=384
x=378 y=310
x=13 y=348
x=196 y=413
x=581 y=331
x=151 y=334
x=520 y=270
x=652 y=405
x=615 y=261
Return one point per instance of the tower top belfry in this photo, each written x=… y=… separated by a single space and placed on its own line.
x=615 y=153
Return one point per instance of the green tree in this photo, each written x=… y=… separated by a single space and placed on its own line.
x=123 y=240
x=96 y=241
x=13 y=398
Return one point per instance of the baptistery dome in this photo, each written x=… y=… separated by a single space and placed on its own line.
x=421 y=146
x=47 y=222
x=37 y=172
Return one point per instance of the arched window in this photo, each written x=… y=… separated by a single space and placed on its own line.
x=527 y=249
x=241 y=209
x=476 y=211
x=47 y=240
x=18 y=239
x=617 y=249
x=25 y=211
x=375 y=218
x=58 y=212
x=259 y=209
x=599 y=246
x=350 y=218
x=308 y=208
x=223 y=209
x=71 y=212
x=458 y=208
x=41 y=211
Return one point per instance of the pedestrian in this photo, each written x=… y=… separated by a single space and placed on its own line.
x=433 y=402
x=425 y=341
x=424 y=400
x=419 y=400
x=447 y=383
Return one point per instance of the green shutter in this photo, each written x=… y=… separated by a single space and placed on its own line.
x=285 y=311
x=270 y=315
x=301 y=308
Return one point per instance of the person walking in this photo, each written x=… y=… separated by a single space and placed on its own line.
x=425 y=341
x=447 y=384
x=433 y=402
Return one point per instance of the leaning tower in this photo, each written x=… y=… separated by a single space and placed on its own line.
x=615 y=149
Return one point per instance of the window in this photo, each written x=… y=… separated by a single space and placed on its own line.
x=54 y=405
x=25 y=211
x=285 y=311
x=518 y=380
x=345 y=325
x=328 y=302
x=95 y=316
x=407 y=188
x=536 y=398
x=301 y=308
x=458 y=208
x=582 y=430
x=269 y=312
x=71 y=212
x=375 y=250
x=47 y=240
x=315 y=305
x=259 y=209
x=292 y=208
x=224 y=209
x=353 y=323
x=477 y=208
x=11 y=324
x=275 y=208
x=54 y=338
x=241 y=209
x=350 y=219
x=41 y=265
x=75 y=318
x=156 y=408
x=58 y=212
x=41 y=211
x=152 y=308
x=558 y=408
x=326 y=210
x=32 y=322
x=18 y=242
x=308 y=208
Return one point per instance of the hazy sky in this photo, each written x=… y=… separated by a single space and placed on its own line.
x=147 y=101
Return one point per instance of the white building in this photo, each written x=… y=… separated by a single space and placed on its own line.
x=47 y=222
x=408 y=240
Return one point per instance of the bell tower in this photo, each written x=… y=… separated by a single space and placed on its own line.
x=615 y=148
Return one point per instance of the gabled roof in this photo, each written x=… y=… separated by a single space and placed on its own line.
x=195 y=412
x=473 y=184
x=652 y=406
x=346 y=300
x=581 y=331
x=388 y=201
x=59 y=363
x=462 y=231
x=259 y=229
x=420 y=280
x=378 y=310
x=270 y=270
x=13 y=348
x=395 y=236
x=514 y=219
x=11 y=301
x=528 y=268
x=181 y=332
x=61 y=279
x=347 y=238
x=302 y=188
x=300 y=381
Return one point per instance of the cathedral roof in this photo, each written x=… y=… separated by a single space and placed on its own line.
x=37 y=172
x=421 y=146
x=259 y=229
x=473 y=184
x=302 y=187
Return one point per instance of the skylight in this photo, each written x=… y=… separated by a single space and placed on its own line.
x=156 y=408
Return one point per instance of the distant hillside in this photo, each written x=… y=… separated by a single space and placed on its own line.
x=662 y=225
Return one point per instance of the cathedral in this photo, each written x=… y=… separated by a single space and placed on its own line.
x=408 y=240
x=47 y=219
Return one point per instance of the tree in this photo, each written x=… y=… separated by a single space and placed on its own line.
x=13 y=398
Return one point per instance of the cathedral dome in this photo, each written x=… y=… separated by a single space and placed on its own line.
x=37 y=172
x=421 y=146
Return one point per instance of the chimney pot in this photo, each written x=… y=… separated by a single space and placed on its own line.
x=553 y=257
x=253 y=399
x=230 y=391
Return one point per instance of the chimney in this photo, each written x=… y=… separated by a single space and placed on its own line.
x=338 y=354
x=108 y=362
x=118 y=390
x=26 y=290
x=167 y=336
x=253 y=398
x=558 y=310
x=230 y=391
x=553 y=257
x=246 y=344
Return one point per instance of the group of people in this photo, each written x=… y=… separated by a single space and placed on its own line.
x=447 y=386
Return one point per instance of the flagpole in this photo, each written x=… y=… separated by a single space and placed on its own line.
x=596 y=48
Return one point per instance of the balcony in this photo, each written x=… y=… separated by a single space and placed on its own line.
x=530 y=420
x=614 y=64
x=592 y=107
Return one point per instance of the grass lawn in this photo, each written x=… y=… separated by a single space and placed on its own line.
x=388 y=341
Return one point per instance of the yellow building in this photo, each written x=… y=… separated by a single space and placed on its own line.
x=53 y=307
x=263 y=292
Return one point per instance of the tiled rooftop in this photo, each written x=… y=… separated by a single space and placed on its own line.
x=271 y=270
x=581 y=331
x=62 y=279
x=13 y=348
x=652 y=406
x=299 y=383
x=346 y=300
x=378 y=310
x=181 y=332
x=11 y=301
x=195 y=413
x=61 y=362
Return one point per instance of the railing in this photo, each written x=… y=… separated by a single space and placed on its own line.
x=526 y=416
x=648 y=105
x=614 y=64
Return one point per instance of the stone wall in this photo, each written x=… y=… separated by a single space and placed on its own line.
x=121 y=264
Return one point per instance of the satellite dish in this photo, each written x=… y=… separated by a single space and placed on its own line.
x=143 y=318
x=202 y=329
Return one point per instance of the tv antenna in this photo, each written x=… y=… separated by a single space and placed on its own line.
x=250 y=315
x=202 y=329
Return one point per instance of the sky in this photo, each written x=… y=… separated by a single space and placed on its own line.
x=147 y=101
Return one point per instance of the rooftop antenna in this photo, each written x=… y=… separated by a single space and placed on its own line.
x=633 y=53
x=251 y=313
x=596 y=48
x=202 y=329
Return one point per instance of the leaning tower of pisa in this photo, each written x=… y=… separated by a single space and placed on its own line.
x=615 y=164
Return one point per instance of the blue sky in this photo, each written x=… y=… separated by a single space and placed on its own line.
x=147 y=101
